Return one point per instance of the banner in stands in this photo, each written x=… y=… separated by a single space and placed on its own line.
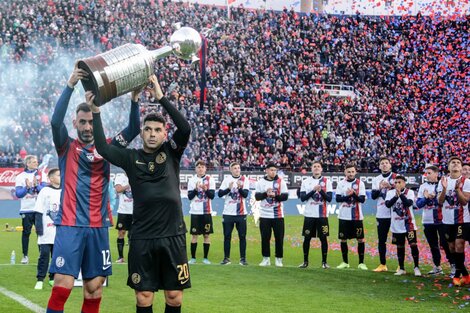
x=293 y=180
x=9 y=204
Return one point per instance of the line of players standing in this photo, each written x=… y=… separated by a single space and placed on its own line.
x=446 y=217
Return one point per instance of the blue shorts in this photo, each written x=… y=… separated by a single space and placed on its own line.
x=82 y=248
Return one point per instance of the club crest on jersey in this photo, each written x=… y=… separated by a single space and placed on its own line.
x=322 y=184
x=173 y=144
x=135 y=278
x=354 y=185
x=276 y=185
x=161 y=158
x=151 y=166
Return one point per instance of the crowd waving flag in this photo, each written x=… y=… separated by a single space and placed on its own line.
x=202 y=70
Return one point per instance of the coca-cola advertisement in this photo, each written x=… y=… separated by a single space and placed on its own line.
x=7 y=181
x=8 y=176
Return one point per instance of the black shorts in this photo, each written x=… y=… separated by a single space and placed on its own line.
x=160 y=263
x=316 y=227
x=124 y=222
x=457 y=231
x=201 y=224
x=350 y=229
x=399 y=239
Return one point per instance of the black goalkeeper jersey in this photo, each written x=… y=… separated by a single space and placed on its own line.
x=154 y=181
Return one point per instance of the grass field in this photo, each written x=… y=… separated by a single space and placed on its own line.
x=233 y=288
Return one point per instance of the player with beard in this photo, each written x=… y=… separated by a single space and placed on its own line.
x=82 y=238
x=350 y=194
x=317 y=191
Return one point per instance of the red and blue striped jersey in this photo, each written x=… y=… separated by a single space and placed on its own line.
x=85 y=179
x=84 y=201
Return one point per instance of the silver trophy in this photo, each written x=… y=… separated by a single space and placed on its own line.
x=128 y=67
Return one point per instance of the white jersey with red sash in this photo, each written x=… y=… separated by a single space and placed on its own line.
x=201 y=204
x=452 y=211
x=316 y=206
x=382 y=210
x=351 y=210
x=432 y=211
x=269 y=207
x=234 y=202
x=403 y=219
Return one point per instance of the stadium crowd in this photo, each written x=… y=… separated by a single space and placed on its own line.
x=265 y=69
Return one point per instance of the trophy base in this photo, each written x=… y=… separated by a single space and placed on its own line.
x=97 y=81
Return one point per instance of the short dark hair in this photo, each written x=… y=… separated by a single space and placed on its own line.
x=317 y=162
x=386 y=158
x=201 y=162
x=82 y=107
x=154 y=117
x=270 y=164
x=52 y=171
x=400 y=177
x=349 y=165
x=432 y=168
x=466 y=164
x=454 y=157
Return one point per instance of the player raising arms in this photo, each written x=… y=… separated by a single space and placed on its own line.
x=82 y=237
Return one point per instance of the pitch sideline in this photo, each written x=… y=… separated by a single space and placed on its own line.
x=21 y=300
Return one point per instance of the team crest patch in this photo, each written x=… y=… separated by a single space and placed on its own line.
x=59 y=262
x=275 y=185
x=135 y=278
x=193 y=229
x=354 y=185
x=307 y=232
x=161 y=158
x=173 y=144
x=120 y=225
x=151 y=166
x=322 y=184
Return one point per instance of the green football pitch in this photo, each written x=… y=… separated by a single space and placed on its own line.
x=234 y=288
